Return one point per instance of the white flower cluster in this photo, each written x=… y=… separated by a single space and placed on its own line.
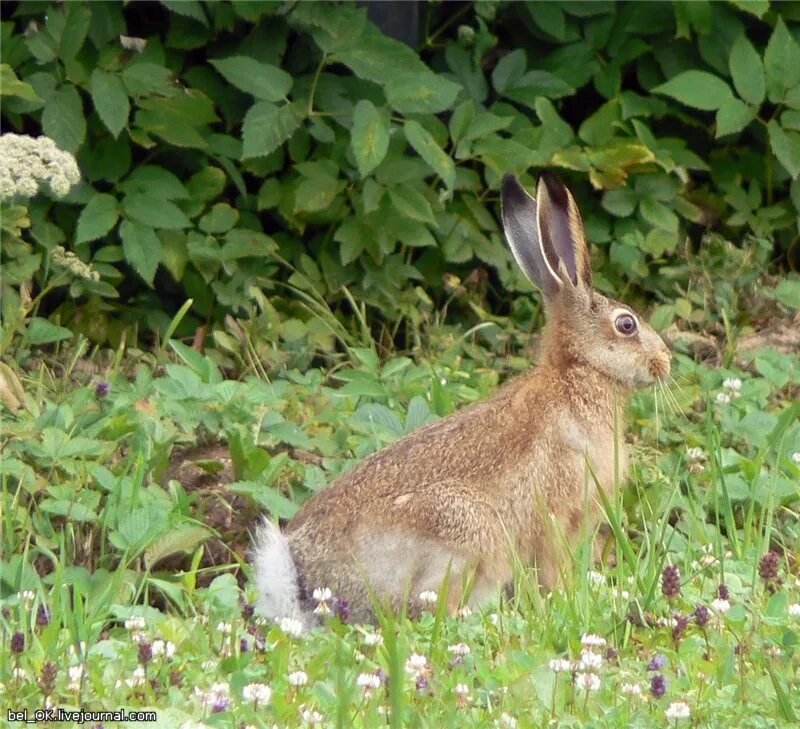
x=27 y=163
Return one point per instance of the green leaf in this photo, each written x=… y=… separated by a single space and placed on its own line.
x=369 y=136
x=317 y=193
x=781 y=62
x=733 y=116
x=182 y=538
x=425 y=93
x=411 y=203
x=220 y=219
x=97 y=218
x=10 y=85
x=747 y=71
x=659 y=215
x=786 y=146
x=62 y=118
x=155 y=180
x=262 y=80
x=142 y=248
x=110 y=100
x=427 y=148
x=380 y=59
x=41 y=331
x=266 y=127
x=154 y=211
x=143 y=79
x=698 y=89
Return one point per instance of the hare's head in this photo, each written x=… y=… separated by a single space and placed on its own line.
x=547 y=239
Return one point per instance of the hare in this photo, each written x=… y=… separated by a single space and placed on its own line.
x=514 y=477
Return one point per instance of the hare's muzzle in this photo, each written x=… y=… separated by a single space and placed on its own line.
x=659 y=365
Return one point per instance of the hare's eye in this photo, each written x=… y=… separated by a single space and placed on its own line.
x=625 y=324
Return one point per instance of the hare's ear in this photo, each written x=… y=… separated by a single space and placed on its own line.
x=521 y=224
x=561 y=229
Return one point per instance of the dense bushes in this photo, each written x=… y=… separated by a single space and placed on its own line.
x=266 y=159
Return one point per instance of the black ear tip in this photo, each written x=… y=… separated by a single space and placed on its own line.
x=512 y=188
x=556 y=189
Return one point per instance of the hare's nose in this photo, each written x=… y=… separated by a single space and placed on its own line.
x=659 y=366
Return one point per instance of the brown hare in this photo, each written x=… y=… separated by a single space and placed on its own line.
x=511 y=477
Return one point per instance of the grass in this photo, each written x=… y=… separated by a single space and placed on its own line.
x=125 y=524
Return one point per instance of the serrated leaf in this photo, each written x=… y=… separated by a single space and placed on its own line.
x=786 y=147
x=781 y=62
x=317 y=193
x=155 y=180
x=369 y=136
x=427 y=148
x=262 y=80
x=155 y=212
x=698 y=89
x=380 y=59
x=189 y=9
x=426 y=93
x=747 y=71
x=97 y=218
x=353 y=235
x=41 y=331
x=110 y=100
x=10 y=85
x=220 y=219
x=143 y=79
x=733 y=116
x=411 y=204
x=266 y=127
x=182 y=538
x=63 y=120
x=142 y=248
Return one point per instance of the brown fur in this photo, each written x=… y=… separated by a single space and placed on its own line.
x=503 y=478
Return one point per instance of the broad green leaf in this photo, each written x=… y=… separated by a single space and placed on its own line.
x=369 y=136
x=733 y=116
x=333 y=27
x=206 y=184
x=461 y=118
x=786 y=146
x=154 y=211
x=110 y=100
x=41 y=331
x=659 y=215
x=486 y=123
x=266 y=127
x=63 y=120
x=189 y=8
x=425 y=93
x=182 y=538
x=262 y=80
x=97 y=218
x=509 y=70
x=411 y=204
x=317 y=193
x=427 y=148
x=353 y=236
x=747 y=71
x=143 y=79
x=781 y=62
x=698 y=89
x=10 y=85
x=142 y=248
x=220 y=219
x=155 y=180
x=380 y=59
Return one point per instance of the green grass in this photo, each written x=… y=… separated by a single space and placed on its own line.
x=100 y=530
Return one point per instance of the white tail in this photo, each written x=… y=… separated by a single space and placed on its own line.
x=275 y=575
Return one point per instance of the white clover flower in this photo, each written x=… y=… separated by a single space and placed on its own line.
x=26 y=596
x=216 y=698
x=75 y=676
x=416 y=664
x=506 y=721
x=732 y=383
x=465 y=612
x=257 y=693
x=358 y=656
x=373 y=639
x=722 y=398
x=695 y=454
x=590 y=661
x=163 y=648
x=312 y=717
x=796 y=457
x=291 y=626
x=678 y=710
x=631 y=689
x=29 y=163
x=623 y=595
x=19 y=674
x=322 y=594
x=462 y=691
x=224 y=628
x=137 y=678
x=368 y=682
x=794 y=610
x=587 y=681
x=298 y=678
x=596 y=578
x=208 y=666
x=494 y=618
x=135 y=623
x=428 y=597
x=593 y=640
x=560 y=665
x=720 y=606
x=459 y=649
